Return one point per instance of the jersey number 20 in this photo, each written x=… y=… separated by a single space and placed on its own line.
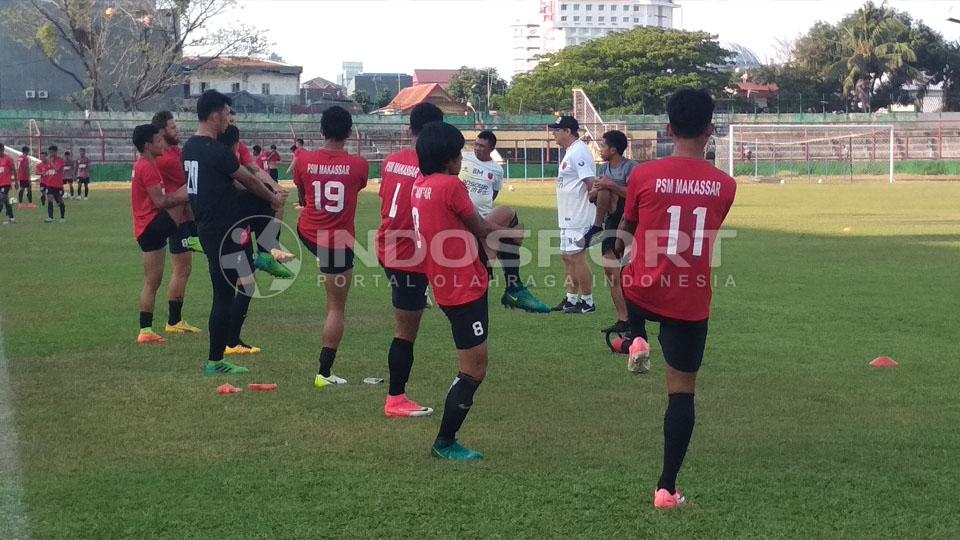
x=192 y=168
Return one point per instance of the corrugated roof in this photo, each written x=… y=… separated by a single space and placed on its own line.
x=238 y=62
x=410 y=97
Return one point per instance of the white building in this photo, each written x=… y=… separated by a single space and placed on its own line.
x=265 y=85
x=562 y=23
x=348 y=72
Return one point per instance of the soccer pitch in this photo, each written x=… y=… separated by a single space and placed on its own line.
x=796 y=436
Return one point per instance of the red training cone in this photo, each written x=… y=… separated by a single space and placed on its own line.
x=228 y=389
x=262 y=387
x=883 y=361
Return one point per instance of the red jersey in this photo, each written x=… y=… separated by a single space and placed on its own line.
x=6 y=171
x=54 y=174
x=68 y=169
x=23 y=168
x=396 y=249
x=440 y=203
x=146 y=175
x=263 y=161
x=171 y=169
x=83 y=167
x=274 y=159
x=331 y=182
x=42 y=172
x=243 y=155
x=678 y=205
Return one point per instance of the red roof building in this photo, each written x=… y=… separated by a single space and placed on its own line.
x=410 y=97
x=434 y=76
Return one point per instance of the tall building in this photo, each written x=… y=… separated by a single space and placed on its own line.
x=349 y=71
x=563 y=23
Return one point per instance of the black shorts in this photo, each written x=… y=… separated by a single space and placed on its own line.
x=178 y=242
x=469 y=322
x=24 y=184
x=43 y=188
x=331 y=261
x=682 y=341
x=54 y=192
x=83 y=180
x=610 y=227
x=68 y=180
x=155 y=236
x=408 y=289
x=5 y=190
x=274 y=173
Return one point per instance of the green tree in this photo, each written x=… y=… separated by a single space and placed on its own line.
x=122 y=56
x=629 y=72
x=383 y=98
x=362 y=99
x=477 y=87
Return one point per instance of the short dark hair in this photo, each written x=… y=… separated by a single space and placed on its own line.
x=617 y=140
x=335 y=123
x=83 y=149
x=273 y=147
x=161 y=118
x=293 y=148
x=43 y=152
x=210 y=102
x=67 y=153
x=143 y=134
x=52 y=148
x=690 y=112
x=24 y=149
x=299 y=140
x=488 y=136
x=230 y=136
x=422 y=114
x=257 y=149
x=438 y=144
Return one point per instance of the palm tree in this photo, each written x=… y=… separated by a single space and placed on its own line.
x=873 y=44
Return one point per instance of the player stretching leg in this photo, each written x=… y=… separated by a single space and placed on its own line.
x=152 y=225
x=484 y=179
x=54 y=174
x=668 y=280
x=398 y=256
x=184 y=239
x=332 y=180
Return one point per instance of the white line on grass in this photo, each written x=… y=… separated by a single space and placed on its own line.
x=13 y=521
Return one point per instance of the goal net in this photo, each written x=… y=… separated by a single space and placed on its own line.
x=786 y=153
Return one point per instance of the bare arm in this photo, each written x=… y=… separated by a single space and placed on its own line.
x=482 y=229
x=627 y=230
x=163 y=201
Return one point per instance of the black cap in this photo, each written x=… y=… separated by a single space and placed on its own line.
x=565 y=122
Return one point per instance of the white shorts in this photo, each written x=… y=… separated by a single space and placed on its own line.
x=570 y=239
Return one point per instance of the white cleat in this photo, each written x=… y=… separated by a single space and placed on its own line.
x=320 y=381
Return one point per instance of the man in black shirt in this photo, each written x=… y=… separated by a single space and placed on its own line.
x=211 y=169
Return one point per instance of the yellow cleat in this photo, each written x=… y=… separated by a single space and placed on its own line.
x=182 y=327
x=282 y=256
x=241 y=349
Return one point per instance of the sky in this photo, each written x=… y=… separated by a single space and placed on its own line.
x=403 y=35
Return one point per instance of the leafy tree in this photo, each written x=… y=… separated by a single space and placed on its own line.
x=129 y=52
x=477 y=86
x=629 y=72
x=383 y=98
x=362 y=99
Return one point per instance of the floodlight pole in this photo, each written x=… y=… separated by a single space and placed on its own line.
x=730 y=154
x=892 y=145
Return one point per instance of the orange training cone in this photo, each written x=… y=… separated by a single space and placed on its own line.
x=228 y=389
x=884 y=362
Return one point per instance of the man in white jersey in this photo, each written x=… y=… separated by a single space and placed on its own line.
x=483 y=177
x=575 y=213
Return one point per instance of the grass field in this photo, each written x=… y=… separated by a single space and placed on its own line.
x=796 y=436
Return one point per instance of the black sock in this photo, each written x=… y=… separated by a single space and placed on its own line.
x=30 y=196
x=327 y=356
x=238 y=314
x=176 y=312
x=677 y=428
x=71 y=190
x=50 y=208
x=63 y=210
x=455 y=408
x=193 y=228
x=510 y=261
x=400 y=362
x=146 y=319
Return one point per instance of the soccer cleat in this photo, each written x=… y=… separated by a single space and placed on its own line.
x=48 y=220
x=320 y=381
x=564 y=306
x=223 y=368
x=455 y=452
x=240 y=349
x=401 y=406
x=587 y=239
x=19 y=206
x=63 y=220
x=570 y=308
x=587 y=308
x=31 y=205
x=266 y=262
x=619 y=327
x=282 y=256
x=192 y=243
x=182 y=327
x=638 y=359
x=522 y=298
x=664 y=500
x=148 y=337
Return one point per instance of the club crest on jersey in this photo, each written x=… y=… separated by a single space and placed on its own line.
x=489 y=176
x=580 y=163
x=563 y=166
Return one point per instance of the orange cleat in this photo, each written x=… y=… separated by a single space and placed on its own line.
x=664 y=500
x=147 y=337
x=638 y=360
x=401 y=406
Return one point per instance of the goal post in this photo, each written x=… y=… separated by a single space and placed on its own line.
x=820 y=153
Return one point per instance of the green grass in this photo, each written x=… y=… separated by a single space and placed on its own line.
x=796 y=436
x=837 y=168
